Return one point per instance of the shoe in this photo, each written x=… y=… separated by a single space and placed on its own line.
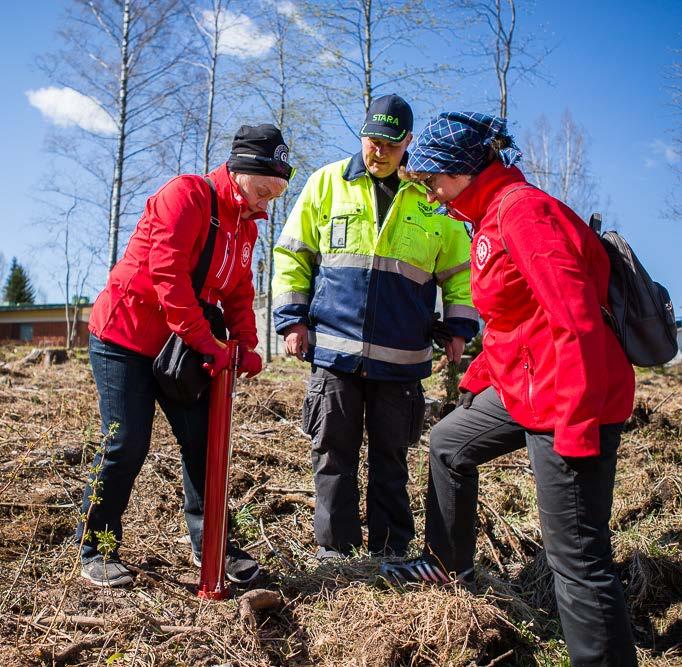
x=240 y=567
x=415 y=571
x=328 y=553
x=106 y=572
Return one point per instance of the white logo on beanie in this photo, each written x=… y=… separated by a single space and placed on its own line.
x=281 y=153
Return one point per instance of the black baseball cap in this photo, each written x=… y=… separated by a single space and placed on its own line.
x=389 y=117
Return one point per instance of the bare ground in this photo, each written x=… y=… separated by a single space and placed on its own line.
x=343 y=615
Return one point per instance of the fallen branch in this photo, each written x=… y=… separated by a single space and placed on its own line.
x=273 y=549
x=97 y=622
x=256 y=600
x=663 y=401
x=521 y=536
x=49 y=506
x=282 y=489
x=500 y=658
x=302 y=500
x=71 y=651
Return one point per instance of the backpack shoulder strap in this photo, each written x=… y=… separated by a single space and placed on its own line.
x=499 y=211
x=201 y=270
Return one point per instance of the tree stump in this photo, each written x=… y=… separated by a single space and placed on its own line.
x=54 y=355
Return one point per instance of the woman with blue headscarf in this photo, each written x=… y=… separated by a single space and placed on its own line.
x=552 y=377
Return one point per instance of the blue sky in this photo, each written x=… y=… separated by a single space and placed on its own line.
x=608 y=68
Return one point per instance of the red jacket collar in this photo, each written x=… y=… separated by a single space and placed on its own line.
x=228 y=190
x=472 y=204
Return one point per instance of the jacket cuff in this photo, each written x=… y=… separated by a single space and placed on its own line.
x=462 y=326
x=286 y=316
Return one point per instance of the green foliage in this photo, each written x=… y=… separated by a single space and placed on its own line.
x=246 y=522
x=106 y=542
x=18 y=288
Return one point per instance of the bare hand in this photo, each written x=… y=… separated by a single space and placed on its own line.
x=454 y=349
x=296 y=341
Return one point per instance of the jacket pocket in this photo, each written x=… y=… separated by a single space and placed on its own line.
x=313 y=406
x=341 y=229
x=399 y=412
x=418 y=244
x=529 y=380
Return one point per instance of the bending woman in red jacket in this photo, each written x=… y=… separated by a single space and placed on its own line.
x=148 y=295
x=552 y=377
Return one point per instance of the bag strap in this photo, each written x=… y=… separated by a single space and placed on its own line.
x=201 y=270
x=499 y=211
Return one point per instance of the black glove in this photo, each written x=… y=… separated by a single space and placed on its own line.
x=466 y=398
x=440 y=332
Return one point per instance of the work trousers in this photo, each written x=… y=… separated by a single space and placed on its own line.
x=128 y=393
x=337 y=408
x=574 y=497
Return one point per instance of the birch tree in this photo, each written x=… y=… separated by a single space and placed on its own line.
x=209 y=26
x=77 y=267
x=558 y=162
x=282 y=84
x=674 y=209
x=362 y=52
x=492 y=30
x=113 y=90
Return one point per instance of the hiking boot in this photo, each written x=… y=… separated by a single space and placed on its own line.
x=106 y=572
x=240 y=567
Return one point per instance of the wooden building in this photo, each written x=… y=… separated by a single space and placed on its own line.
x=43 y=324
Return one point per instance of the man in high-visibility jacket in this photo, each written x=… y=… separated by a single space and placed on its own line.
x=356 y=272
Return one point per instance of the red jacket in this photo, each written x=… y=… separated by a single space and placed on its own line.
x=546 y=349
x=149 y=291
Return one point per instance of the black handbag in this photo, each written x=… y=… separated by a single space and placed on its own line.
x=178 y=368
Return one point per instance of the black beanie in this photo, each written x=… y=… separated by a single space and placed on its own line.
x=262 y=141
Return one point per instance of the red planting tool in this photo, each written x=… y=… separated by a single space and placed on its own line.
x=223 y=390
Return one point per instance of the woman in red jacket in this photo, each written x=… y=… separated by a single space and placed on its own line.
x=552 y=377
x=148 y=295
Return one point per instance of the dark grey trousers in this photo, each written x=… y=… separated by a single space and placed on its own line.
x=574 y=500
x=337 y=408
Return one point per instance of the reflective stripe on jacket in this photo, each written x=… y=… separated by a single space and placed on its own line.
x=368 y=294
x=149 y=292
x=540 y=278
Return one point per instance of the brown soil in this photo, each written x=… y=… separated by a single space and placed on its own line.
x=344 y=615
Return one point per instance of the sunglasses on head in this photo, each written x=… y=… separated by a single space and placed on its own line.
x=281 y=168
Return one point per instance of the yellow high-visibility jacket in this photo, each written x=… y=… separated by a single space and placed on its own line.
x=368 y=294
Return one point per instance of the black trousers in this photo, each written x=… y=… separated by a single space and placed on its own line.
x=574 y=500
x=337 y=408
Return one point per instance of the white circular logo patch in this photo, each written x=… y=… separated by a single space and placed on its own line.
x=246 y=254
x=483 y=250
x=281 y=153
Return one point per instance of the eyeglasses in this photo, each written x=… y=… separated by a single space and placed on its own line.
x=281 y=168
x=426 y=182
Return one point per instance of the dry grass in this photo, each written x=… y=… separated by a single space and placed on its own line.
x=330 y=616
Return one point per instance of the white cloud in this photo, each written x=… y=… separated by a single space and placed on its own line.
x=290 y=10
x=67 y=107
x=661 y=150
x=239 y=35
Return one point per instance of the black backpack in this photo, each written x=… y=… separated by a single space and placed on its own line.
x=641 y=309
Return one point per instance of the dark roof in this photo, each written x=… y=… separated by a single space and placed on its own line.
x=34 y=306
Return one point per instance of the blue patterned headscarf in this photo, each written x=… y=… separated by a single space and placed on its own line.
x=457 y=143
